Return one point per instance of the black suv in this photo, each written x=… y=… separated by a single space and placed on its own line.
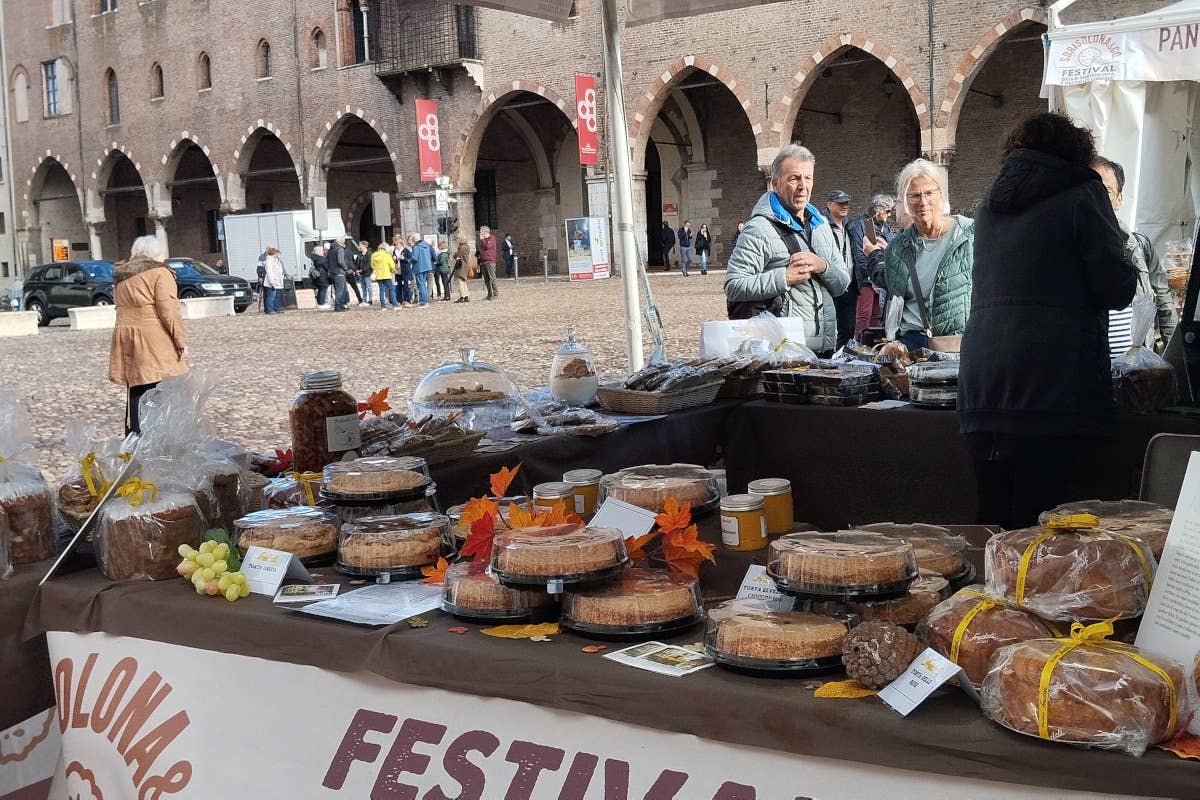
x=51 y=289
x=197 y=279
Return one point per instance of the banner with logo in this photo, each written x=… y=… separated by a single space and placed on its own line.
x=587 y=248
x=587 y=120
x=429 y=140
x=1166 y=53
x=141 y=719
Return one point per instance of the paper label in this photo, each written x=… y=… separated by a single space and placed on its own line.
x=730 y=535
x=628 y=519
x=306 y=593
x=342 y=433
x=922 y=678
x=758 y=584
x=267 y=569
x=579 y=503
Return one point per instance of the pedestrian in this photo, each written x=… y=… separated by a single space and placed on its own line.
x=461 y=270
x=273 y=281
x=320 y=276
x=423 y=258
x=404 y=269
x=345 y=256
x=442 y=272
x=220 y=266
x=837 y=207
x=666 y=239
x=1035 y=387
x=509 y=251
x=703 y=247
x=487 y=262
x=741 y=226
x=685 y=246
x=383 y=267
x=786 y=261
x=149 y=342
x=869 y=310
x=337 y=263
x=362 y=265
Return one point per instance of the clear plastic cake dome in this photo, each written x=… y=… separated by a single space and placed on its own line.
x=483 y=395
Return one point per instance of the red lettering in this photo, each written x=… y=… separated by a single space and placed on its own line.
x=460 y=768
x=616 y=782
x=170 y=782
x=147 y=750
x=401 y=758
x=112 y=693
x=78 y=718
x=530 y=759
x=579 y=777
x=133 y=717
x=353 y=748
x=62 y=687
x=736 y=791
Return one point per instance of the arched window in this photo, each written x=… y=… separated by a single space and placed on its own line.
x=263 y=59
x=320 y=54
x=203 y=72
x=114 y=99
x=156 y=81
x=362 y=31
x=20 y=90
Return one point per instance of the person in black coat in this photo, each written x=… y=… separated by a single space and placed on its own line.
x=320 y=275
x=1034 y=387
x=666 y=238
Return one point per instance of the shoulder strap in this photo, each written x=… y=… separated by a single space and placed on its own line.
x=1143 y=242
x=792 y=238
x=911 y=261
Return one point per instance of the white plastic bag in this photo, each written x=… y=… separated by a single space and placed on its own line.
x=780 y=350
x=1143 y=382
x=892 y=317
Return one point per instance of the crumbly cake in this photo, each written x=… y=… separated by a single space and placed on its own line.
x=557 y=550
x=925 y=593
x=76 y=502
x=470 y=588
x=394 y=482
x=937 y=549
x=303 y=531
x=780 y=636
x=649 y=487
x=842 y=560
x=392 y=542
x=638 y=597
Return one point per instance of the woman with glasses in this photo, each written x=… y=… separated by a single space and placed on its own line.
x=929 y=263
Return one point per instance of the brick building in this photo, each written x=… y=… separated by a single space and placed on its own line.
x=160 y=116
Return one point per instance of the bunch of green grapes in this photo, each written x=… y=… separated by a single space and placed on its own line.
x=209 y=572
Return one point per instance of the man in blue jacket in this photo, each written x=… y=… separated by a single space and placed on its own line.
x=685 y=246
x=423 y=257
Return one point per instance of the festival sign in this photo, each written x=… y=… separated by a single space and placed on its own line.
x=429 y=140
x=586 y=116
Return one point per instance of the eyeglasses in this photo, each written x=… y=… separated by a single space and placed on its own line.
x=928 y=194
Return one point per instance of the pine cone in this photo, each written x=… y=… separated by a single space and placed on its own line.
x=875 y=653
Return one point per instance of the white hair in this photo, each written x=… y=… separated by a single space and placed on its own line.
x=793 y=150
x=484 y=229
x=922 y=168
x=148 y=247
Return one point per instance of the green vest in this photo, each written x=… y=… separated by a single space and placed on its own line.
x=950 y=300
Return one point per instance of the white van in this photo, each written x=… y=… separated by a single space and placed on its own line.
x=247 y=237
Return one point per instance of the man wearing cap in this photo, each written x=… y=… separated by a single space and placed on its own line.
x=837 y=203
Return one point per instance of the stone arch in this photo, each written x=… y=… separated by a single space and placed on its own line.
x=254 y=132
x=103 y=171
x=177 y=149
x=37 y=176
x=328 y=139
x=653 y=98
x=970 y=64
x=783 y=120
x=466 y=154
x=541 y=161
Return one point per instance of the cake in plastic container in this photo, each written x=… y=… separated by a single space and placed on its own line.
x=307 y=532
x=847 y=565
x=934 y=384
x=746 y=635
x=1149 y=522
x=471 y=592
x=937 y=549
x=649 y=486
x=907 y=610
x=376 y=479
x=396 y=546
x=557 y=554
x=637 y=603
x=294 y=489
x=349 y=511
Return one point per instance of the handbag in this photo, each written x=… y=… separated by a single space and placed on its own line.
x=939 y=344
x=472 y=268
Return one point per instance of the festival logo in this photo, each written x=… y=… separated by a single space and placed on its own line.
x=587 y=120
x=81 y=783
x=429 y=140
x=1097 y=57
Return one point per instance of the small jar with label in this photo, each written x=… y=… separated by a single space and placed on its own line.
x=324 y=422
x=548 y=495
x=586 y=483
x=743 y=522
x=777 y=500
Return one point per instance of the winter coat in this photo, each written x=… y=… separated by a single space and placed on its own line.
x=1152 y=283
x=423 y=257
x=382 y=265
x=510 y=253
x=338 y=260
x=462 y=262
x=757 y=270
x=703 y=244
x=487 y=250
x=273 y=273
x=685 y=237
x=1050 y=262
x=149 y=333
x=950 y=298
x=861 y=274
x=320 y=270
x=667 y=238
x=443 y=262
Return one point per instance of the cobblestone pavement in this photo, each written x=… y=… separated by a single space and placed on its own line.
x=61 y=374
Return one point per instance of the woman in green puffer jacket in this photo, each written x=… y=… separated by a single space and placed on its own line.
x=939 y=248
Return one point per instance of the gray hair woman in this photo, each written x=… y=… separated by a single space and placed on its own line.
x=149 y=342
x=929 y=264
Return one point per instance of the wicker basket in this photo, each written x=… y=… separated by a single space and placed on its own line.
x=255 y=483
x=447 y=451
x=629 y=401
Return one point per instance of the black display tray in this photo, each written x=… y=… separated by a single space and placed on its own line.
x=552 y=583
x=641 y=632
x=858 y=594
x=774 y=668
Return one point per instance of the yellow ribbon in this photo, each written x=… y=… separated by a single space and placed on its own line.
x=89 y=466
x=134 y=490
x=1072 y=521
x=306 y=480
x=1081 y=523
x=1093 y=636
x=985 y=604
x=125 y=457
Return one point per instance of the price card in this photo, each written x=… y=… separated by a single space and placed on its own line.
x=759 y=584
x=922 y=678
x=267 y=569
x=628 y=519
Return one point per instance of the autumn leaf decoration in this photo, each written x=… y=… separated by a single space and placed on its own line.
x=376 y=404
x=435 y=573
x=281 y=464
x=483 y=516
x=1184 y=744
x=678 y=541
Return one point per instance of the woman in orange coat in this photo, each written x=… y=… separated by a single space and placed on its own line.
x=149 y=342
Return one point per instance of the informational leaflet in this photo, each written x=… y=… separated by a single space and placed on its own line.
x=379 y=604
x=664 y=659
x=306 y=593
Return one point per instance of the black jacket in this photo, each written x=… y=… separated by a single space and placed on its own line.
x=320 y=270
x=703 y=243
x=1049 y=263
x=338 y=260
x=860 y=275
x=666 y=237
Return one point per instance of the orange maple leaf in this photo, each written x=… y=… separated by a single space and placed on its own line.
x=674 y=517
x=502 y=480
x=435 y=573
x=557 y=514
x=479 y=543
x=637 y=547
x=476 y=509
x=376 y=404
x=684 y=552
x=519 y=516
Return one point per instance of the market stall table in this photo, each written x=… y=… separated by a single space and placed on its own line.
x=24 y=665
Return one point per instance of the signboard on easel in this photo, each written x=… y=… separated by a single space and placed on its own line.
x=587 y=249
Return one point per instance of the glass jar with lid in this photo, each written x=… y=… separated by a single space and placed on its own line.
x=586 y=483
x=324 y=421
x=479 y=395
x=572 y=374
x=777 y=500
x=743 y=522
x=551 y=493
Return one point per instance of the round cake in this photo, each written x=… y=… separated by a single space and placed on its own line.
x=925 y=593
x=649 y=486
x=396 y=543
x=1071 y=573
x=639 y=597
x=29 y=504
x=993 y=624
x=376 y=477
x=842 y=563
x=470 y=591
x=1149 y=522
x=303 y=531
x=556 y=552
x=1087 y=703
x=937 y=549
x=76 y=502
x=749 y=631
x=349 y=513
x=142 y=542
x=294 y=489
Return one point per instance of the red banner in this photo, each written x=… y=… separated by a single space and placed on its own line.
x=429 y=140
x=586 y=116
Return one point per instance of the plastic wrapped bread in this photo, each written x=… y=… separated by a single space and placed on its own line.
x=24 y=495
x=1147 y=521
x=140 y=530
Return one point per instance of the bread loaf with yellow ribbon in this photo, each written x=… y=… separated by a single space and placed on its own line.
x=1137 y=518
x=1070 y=570
x=969 y=627
x=141 y=529
x=1087 y=690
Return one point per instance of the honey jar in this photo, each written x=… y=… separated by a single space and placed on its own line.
x=550 y=494
x=743 y=522
x=777 y=500
x=586 y=483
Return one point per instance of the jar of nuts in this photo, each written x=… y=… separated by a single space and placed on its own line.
x=324 y=421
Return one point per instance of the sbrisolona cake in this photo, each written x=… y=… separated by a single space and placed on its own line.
x=924 y=594
x=638 y=597
x=375 y=476
x=556 y=551
x=387 y=543
x=470 y=591
x=303 y=531
x=749 y=630
x=841 y=562
x=937 y=549
x=649 y=486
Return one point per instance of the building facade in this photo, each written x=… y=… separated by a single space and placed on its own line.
x=161 y=116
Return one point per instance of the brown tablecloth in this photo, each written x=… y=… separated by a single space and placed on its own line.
x=25 y=684
x=853 y=466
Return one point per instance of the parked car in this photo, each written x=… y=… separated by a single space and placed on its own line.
x=52 y=289
x=197 y=279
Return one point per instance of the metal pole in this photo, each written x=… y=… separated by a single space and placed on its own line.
x=623 y=175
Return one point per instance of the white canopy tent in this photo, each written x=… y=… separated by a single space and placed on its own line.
x=1135 y=82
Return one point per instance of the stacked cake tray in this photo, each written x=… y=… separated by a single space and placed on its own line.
x=834 y=385
x=934 y=384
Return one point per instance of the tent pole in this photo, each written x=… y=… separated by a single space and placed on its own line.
x=622 y=180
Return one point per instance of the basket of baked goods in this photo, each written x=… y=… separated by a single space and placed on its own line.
x=433 y=438
x=663 y=387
